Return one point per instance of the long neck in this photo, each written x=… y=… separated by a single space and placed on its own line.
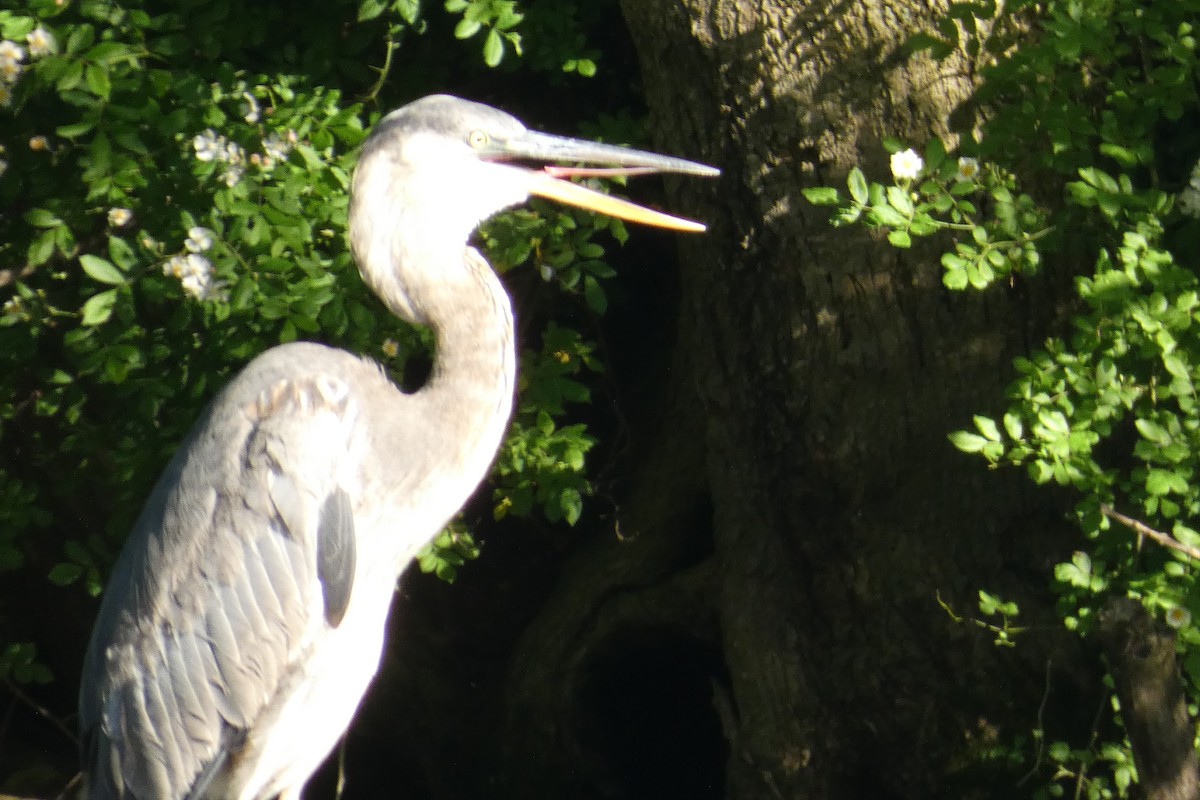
x=413 y=254
x=450 y=429
x=469 y=395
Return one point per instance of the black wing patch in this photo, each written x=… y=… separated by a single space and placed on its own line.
x=336 y=554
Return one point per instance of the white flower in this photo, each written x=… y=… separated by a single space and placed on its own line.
x=119 y=217
x=11 y=51
x=196 y=264
x=232 y=175
x=38 y=143
x=195 y=285
x=1178 y=617
x=195 y=274
x=199 y=239
x=276 y=148
x=173 y=267
x=546 y=271
x=1189 y=202
x=41 y=42
x=10 y=69
x=207 y=145
x=968 y=169
x=12 y=306
x=906 y=164
x=250 y=111
x=210 y=146
x=390 y=347
x=234 y=154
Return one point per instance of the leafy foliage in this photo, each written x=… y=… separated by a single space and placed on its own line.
x=173 y=200
x=1099 y=108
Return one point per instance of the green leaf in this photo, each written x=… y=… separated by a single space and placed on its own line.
x=466 y=28
x=571 y=503
x=75 y=129
x=493 y=48
x=899 y=200
x=955 y=280
x=65 y=574
x=967 y=442
x=121 y=253
x=1186 y=535
x=1124 y=156
x=370 y=9
x=596 y=299
x=857 y=184
x=1152 y=431
x=886 y=215
x=98 y=82
x=899 y=239
x=821 y=195
x=40 y=249
x=1059 y=752
x=99 y=307
x=101 y=270
x=1161 y=482
x=1014 y=426
x=42 y=218
x=987 y=427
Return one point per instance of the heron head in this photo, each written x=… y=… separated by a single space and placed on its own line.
x=455 y=159
x=432 y=170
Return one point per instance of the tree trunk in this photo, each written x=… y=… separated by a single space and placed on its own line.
x=799 y=512
x=1141 y=657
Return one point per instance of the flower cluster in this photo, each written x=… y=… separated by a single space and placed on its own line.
x=194 y=270
x=1189 y=196
x=211 y=146
x=12 y=59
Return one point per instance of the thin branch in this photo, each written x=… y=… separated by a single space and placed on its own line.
x=20 y=694
x=384 y=70
x=1142 y=529
x=1037 y=761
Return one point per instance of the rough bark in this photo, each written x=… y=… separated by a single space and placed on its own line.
x=818 y=372
x=1141 y=655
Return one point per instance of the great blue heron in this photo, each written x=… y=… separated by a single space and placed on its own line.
x=245 y=616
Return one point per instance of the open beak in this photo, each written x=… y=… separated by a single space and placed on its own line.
x=549 y=182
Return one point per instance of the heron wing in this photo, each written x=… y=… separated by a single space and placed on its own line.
x=242 y=559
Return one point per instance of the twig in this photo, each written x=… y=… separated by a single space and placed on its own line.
x=1142 y=529
x=383 y=71
x=18 y=693
x=1037 y=760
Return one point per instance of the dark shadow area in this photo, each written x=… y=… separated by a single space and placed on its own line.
x=647 y=711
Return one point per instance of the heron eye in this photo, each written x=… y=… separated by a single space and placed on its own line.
x=477 y=139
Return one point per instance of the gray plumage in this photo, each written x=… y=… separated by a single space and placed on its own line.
x=244 y=619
